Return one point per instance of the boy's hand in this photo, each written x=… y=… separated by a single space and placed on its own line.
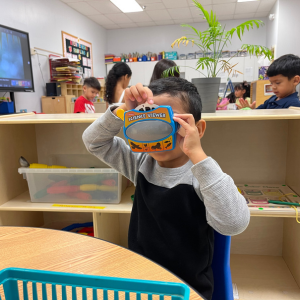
x=190 y=144
x=134 y=96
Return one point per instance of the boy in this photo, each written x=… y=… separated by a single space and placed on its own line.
x=284 y=75
x=181 y=195
x=84 y=104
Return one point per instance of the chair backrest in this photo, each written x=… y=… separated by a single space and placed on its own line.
x=221 y=268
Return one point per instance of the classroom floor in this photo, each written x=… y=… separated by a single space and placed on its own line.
x=263 y=277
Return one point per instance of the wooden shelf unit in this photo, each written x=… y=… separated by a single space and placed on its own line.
x=251 y=146
x=71 y=89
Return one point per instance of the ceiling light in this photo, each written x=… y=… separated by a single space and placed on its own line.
x=246 y=0
x=127 y=6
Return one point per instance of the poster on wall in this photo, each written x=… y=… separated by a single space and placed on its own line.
x=75 y=47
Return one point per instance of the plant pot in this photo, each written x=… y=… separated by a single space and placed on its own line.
x=208 y=89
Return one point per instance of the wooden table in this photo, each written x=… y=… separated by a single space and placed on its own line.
x=45 y=249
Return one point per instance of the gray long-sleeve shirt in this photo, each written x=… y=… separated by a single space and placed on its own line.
x=174 y=209
x=226 y=209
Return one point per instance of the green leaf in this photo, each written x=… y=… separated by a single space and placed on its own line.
x=171 y=72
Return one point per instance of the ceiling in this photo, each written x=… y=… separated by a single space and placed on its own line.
x=167 y=12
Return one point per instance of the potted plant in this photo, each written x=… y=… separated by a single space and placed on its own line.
x=212 y=42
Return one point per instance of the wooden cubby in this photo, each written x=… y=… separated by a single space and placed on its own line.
x=260 y=146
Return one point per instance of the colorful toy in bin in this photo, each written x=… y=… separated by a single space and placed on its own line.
x=81 y=228
x=150 y=128
x=25 y=164
x=66 y=185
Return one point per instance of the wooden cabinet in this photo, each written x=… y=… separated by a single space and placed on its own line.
x=54 y=105
x=253 y=147
x=258 y=93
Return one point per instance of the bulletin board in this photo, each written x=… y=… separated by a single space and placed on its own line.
x=74 y=47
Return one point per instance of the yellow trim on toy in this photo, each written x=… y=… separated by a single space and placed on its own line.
x=120 y=114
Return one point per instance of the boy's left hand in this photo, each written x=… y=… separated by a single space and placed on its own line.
x=190 y=143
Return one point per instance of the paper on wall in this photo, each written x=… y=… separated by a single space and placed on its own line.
x=248 y=72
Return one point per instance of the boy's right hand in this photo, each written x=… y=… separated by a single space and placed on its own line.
x=134 y=96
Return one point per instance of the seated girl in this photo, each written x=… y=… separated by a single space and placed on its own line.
x=241 y=90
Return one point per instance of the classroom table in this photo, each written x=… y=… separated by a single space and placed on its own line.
x=53 y=250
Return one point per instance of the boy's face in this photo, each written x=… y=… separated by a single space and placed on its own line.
x=89 y=93
x=176 y=154
x=282 y=86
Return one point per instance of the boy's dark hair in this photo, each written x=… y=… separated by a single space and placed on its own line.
x=93 y=83
x=118 y=70
x=182 y=89
x=287 y=65
x=161 y=66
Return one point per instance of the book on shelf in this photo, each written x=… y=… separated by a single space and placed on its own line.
x=258 y=195
x=65 y=69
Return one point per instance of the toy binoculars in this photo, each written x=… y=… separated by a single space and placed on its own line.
x=150 y=128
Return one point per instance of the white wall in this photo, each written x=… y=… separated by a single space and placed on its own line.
x=288 y=27
x=272 y=28
x=160 y=38
x=44 y=20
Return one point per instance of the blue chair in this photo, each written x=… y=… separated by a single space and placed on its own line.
x=221 y=268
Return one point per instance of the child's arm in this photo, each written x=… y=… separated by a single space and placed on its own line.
x=79 y=107
x=226 y=208
x=222 y=105
x=99 y=138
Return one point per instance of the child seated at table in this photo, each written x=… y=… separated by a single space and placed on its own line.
x=241 y=92
x=91 y=88
x=181 y=195
x=284 y=76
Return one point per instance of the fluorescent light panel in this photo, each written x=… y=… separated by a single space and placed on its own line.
x=127 y=6
x=246 y=0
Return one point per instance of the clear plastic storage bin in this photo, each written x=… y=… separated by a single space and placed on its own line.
x=74 y=185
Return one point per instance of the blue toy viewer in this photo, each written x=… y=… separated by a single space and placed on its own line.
x=150 y=129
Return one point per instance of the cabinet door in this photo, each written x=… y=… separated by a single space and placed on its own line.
x=54 y=105
x=108 y=68
x=137 y=73
x=223 y=75
x=251 y=68
x=240 y=61
x=148 y=67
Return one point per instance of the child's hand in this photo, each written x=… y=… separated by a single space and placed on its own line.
x=243 y=103
x=190 y=144
x=136 y=95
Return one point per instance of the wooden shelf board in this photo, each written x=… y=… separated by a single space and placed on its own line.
x=259 y=114
x=23 y=203
x=263 y=277
x=273 y=212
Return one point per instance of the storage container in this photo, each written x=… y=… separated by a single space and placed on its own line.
x=73 y=185
x=182 y=56
x=116 y=59
x=171 y=55
x=225 y=54
x=7 y=108
x=27 y=284
x=199 y=54
x=191 y=56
